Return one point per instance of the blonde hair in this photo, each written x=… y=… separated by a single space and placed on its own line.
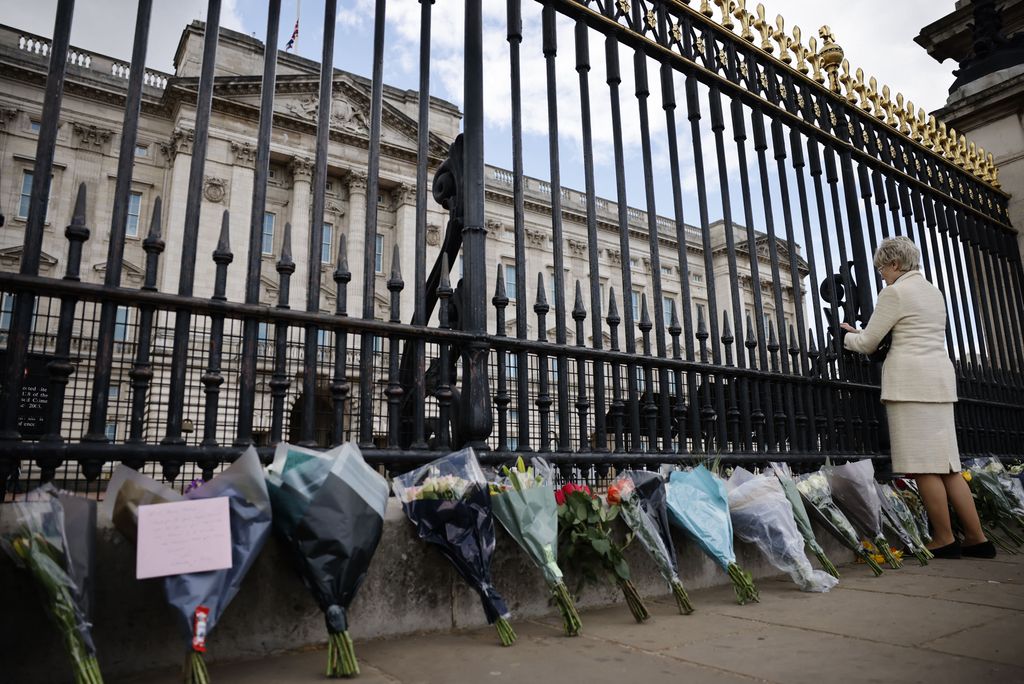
x=900 y=251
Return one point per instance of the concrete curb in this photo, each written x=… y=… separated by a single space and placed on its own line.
x=409 y=588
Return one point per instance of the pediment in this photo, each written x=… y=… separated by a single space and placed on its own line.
x=129 y=271
x=11 y=256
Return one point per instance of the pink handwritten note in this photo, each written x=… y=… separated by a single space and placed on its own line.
x=182 y=537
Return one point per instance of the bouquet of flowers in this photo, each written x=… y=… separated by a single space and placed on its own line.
x=329 y=508
x=586 y=543
x=448 y=502
x=898 y=518
x=817 y=494
x=995 y=506
x=907 y=489
x=762 y=515
x=853 y=487
x=1012 y=487
x=640 y=496
x=55 y=543
x=803 y=523
x=697 y=502
x=525 y=505
x=200 y=598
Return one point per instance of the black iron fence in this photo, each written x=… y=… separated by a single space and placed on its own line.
x=823 y=166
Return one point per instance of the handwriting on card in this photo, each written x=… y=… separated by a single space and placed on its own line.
x=183 y=537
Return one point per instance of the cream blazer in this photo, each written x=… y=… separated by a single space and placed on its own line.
x=917 y=367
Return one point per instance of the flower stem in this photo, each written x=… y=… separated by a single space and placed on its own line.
x=341 y=656
x=570 y=617
x=633 y=600
x=195 y=669
x=682 y=600
x=866 y=557
x=826 y=564
x=505 y=632
x=882 y=544
x=742 y=584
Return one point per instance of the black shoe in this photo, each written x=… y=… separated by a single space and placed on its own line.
x=983 y=550
x=948 y=551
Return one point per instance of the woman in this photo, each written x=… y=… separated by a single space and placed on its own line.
x=918 y=390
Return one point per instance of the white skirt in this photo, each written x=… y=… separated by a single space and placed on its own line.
x=922 y=437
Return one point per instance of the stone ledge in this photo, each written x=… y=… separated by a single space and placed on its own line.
x=409 y=588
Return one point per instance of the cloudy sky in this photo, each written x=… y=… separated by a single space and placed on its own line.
x=877 y=36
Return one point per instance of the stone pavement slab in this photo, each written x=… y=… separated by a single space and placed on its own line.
x=950 y=621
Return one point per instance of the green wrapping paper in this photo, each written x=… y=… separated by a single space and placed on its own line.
x=524 y=503
x=803 y=522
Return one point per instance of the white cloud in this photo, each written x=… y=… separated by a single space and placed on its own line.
x=107 y=27
x=355 y=13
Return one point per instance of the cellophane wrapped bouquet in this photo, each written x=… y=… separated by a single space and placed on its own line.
x=329 y=510
x=523 y=500
x=853 y=488
x=199 y=599
x=54 y=541
x=815 y=490
x=698 y=502
x=762 y=515
x=449 y=503
x=640 y=496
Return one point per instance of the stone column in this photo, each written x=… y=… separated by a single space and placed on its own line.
x=240 y=205
x=301 y=205
x=179 y=153
x=403 y=201
x=354 y=234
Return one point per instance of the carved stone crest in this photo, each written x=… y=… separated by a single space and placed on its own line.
x=433 y=235
x=614 y=256
x=577 y=247
x=214 y=189
x=345 y=115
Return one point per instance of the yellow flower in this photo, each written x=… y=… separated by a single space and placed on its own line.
x=967 y=475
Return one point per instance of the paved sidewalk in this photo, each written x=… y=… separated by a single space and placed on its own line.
x=952 y=621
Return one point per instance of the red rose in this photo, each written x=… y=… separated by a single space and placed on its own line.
x=559 y=498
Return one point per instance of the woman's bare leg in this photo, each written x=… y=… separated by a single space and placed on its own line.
x=958 y=492
x=933 y=493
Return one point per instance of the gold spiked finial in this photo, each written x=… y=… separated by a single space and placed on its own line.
x=744 y=18
x=993 y=170
x=705 y=8
x=861 y=88
x=899 y=112
x=921 y=128
x=726 y=7
x=972 y=158
x=961 y=151
x=762 y=27
x=814 y=58
x=799 y=52
x=873 y=97
x=948 y=140
x=887 y=106
x=982 y=165
x=784 y=41
x=831 y=57
x=907 y=122
x=847 y=81
x=931 y=134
